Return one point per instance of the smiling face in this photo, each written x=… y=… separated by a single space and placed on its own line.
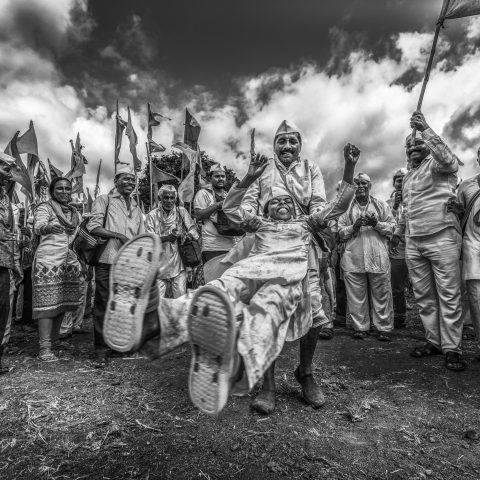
x=125 y=184
x=287 y=147
x=168 y=201
x=417 y=152
x=281 y=208
x=62 y=192
x=363 y=189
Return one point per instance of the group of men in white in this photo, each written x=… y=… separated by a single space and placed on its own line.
x=267 y=249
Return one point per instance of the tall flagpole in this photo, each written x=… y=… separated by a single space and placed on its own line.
x=97 y=184
x=440 y=22
x=116 y=140
x=149 y=158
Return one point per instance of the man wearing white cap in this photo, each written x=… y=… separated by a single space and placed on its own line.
x=9 y=254
x=170 y=223
x=303 y=181
x=116 y=217
x=365 y=262
x=217 y=236
x=433 y=242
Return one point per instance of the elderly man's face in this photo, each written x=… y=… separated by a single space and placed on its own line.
x=287 y=147
x=281 y=208
x=168 y=200
x=363 y=188
x=417 y=152
x=125 y=184
x=218 y=179
x=5 y=173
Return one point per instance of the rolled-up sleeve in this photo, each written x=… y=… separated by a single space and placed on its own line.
x=386 y=223
x=445 y=160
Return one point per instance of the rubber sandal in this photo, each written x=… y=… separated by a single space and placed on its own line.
x=384 y=337
x=359 y=335
x=454 y=362
x=212 y=330
x=264 y=402
x=326 y=334
x=131 y=276
x=426 y=350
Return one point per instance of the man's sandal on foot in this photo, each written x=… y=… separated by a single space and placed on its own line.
x=212 y=330
x=426 y=350
x=326 y=333
x=311 y=391
x=131 y=277
x=264 y=402
x=455 y=362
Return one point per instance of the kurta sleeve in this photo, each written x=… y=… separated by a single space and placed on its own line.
x=235 y=207
x=318 y=200
x=41 y=218
x=99 y=209
x=250 y=198
x=445 y=160
x=150 y=221
x=386 y=223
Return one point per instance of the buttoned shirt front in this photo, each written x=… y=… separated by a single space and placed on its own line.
x=427 y=189
x=119 y=219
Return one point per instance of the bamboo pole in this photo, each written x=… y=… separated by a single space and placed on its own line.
x=149 y=158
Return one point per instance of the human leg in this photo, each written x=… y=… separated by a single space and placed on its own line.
x=102 y=285
x=179 y=284
x=399 y=280
x=4 y=310
x=382 y=303
x=356 y=285
x=45 y=353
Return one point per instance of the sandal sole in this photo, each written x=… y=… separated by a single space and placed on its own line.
x=212 y=331
x=131 y=276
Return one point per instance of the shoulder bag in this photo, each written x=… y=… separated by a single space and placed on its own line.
x=188 y=248
x=224 y=226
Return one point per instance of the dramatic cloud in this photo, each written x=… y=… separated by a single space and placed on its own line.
x=357 y=95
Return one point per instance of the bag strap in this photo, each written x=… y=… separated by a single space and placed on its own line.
x=469 y=207
x=297 y=201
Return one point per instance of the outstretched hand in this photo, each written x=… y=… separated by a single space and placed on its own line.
x=257 y=166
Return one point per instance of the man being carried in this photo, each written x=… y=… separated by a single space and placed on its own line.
x=267 y=294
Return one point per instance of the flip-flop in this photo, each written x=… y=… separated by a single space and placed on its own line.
x=131 y=276
x=455 y=362
x=426 y=350
x=212 y=330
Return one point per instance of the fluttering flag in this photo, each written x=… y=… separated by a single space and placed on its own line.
x=159 y=175
x=88 y=206
x=27 y=143
x=120 y=125
x=153 y=121
x=41 y=182
x=97 y=183
x=192 y=130
x=460 y=8
x=54 y=171
x=186 y=188
x=155 y=147
x=132 y=137
x=19 y=171
x=79 y=148
x=77 y=185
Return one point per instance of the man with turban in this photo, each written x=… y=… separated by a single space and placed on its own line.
x=267 y=294
x=170 y=223
x=116 y=217
x=433 y=242
x=365 y=262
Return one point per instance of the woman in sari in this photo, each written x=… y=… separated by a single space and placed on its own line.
x=56 y=269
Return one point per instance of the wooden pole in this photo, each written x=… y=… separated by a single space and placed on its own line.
x=439 y=26
x=149 y=158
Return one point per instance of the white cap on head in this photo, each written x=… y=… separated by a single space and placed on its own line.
x=126 y=170
x=216 y=167
x=8 y=159
x=287 y=127
x=166 y=188
x=362 y=176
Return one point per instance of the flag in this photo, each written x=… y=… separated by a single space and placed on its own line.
x=54 y=171
x=120 y=125
x=77 y=164
x=132 y=137
x=155 y=147
x=252 y=143
x=460 y=8
x=77 y=185
x=153 y=121
x=41 y=181
x=186 y=188
x=88 y=207
x=79 y=148
x=158 y=175
x=192 y=130
x=19 y=171
x=27 y=143
x=97 y=185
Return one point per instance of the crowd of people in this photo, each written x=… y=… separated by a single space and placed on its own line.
x=280 y=263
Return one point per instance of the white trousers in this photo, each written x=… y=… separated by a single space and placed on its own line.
x=369 y=295
x=434 y=268
x=473 y=291
x=177 y=284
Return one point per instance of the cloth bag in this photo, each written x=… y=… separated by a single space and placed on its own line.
x=189 y=249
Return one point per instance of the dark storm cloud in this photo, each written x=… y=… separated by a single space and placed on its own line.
x=460 y=122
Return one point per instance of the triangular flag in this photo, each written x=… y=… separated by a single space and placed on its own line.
x=54 y=171
x=192 y=130
x=132 y=137
x=120 y=125
x=155 y=147
x=88 y=207
x=186 y=188
x=460 y=8
x=27 y=143
x=158 y=175
x=19 y=171
x=79 y=148
x=153 y=120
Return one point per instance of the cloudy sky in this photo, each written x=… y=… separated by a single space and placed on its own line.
x=342 y=70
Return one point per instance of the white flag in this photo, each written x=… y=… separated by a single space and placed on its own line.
x=460 y=8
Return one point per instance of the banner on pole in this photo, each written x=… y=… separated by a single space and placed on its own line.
x=460 y=8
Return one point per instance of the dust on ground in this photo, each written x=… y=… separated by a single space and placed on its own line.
x=387 y=416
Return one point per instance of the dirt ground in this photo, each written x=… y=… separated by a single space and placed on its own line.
x=387 y=416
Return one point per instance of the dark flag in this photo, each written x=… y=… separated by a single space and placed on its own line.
x=192 y=131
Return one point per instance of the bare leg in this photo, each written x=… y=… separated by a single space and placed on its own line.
x=264 y=402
